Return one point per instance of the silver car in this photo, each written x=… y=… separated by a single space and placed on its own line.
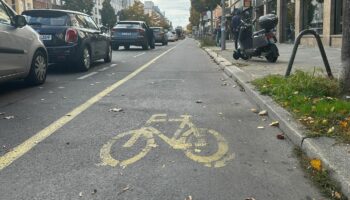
x=22 y=54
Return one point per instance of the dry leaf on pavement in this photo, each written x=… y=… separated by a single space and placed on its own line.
x=116 y=110
x=316 y=164
x=249 y=198
x=189 y=198
x=275 y=123
x=280 y=136
x=80 y=194
x=254 y=110
x=199 y=101
x=263 y=113
x=261 y=127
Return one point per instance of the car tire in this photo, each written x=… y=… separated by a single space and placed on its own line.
x=145 y=46
x=85 y=60
x=153 y=44
x=115 y=47
x=109 y=53
x=127 y=47
x=38 y=69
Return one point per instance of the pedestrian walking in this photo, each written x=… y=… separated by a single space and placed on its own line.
x=235 y=24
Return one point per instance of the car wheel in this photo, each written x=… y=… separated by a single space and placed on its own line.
x=145 y=46
x=108 y=57
x=85 y=60
x=153 y=44
x=115 y=47
x=127 y=47
x=38 y=69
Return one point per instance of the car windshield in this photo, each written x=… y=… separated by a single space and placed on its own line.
x=128 y=25
x=46 y=18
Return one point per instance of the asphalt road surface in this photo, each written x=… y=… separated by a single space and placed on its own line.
x=158 y=124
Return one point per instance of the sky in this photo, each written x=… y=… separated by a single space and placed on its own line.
x=177 y=11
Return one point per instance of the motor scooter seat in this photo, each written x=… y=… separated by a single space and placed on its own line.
x=259 y=32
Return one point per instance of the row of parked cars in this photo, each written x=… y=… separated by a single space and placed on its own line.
x=30 y=41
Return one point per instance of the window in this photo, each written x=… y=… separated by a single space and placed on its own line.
x=90 y=23
x=46 y=18
x=80 y=21
x=338 y=17
x=4 y=17
x=313 y=15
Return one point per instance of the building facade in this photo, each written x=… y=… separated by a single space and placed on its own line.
x=20 y=5
x=323 y=16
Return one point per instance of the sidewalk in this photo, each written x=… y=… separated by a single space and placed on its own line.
x=335 y=156
x=307 y=59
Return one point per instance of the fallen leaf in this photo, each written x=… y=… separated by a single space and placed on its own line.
x=9 y=117
x=261 y=127
x=80 y=194
x=189 y=198
x=220 y=113
x=61 y=87
x=316 y=164
x=224 y=84
x=296 y=92
x=94 y=192
x=197 y=150
x=254 y=110
x=275 y=123
x=50 y=92
x=116 y=110
x=42 y=99
x=124 y=190
x=337 y=195
x=280 y=136
x=332 y=109
x=344 y=124
x=263 y=113
x=2 y=113
x=199 y=101
x=249 y=198
x=234 y=86
x=331 y=130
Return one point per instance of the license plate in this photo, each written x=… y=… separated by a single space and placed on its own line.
x=46 y=37
x=126 y=33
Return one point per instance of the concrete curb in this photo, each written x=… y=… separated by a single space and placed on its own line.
x=292 y=128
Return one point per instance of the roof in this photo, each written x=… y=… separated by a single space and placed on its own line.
x=55 y=10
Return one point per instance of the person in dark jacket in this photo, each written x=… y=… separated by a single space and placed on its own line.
x=235 y=24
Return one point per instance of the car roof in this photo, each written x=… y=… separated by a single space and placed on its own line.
x=130 y=22
x=55 y=10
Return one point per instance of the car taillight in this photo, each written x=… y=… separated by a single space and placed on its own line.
x=114 y=31
x=71 y=35
x=140 y=30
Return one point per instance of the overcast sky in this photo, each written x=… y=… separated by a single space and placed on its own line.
x=177 y=11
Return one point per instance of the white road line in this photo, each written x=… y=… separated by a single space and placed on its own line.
x=113 y=65
x=139 y=54
x=87 y=75
x=103 y=69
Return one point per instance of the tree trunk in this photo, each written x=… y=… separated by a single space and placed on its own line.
x=345 y=53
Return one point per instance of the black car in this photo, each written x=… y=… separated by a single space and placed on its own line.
x=70 y=36
x=160 y=35
x=136 y=33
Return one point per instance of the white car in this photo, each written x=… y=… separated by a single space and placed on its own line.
x=172 y=36
x=22 y=54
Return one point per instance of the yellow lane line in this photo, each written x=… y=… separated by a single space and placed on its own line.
x=27 y=145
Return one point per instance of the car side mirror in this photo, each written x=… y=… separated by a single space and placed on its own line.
x=19 y=21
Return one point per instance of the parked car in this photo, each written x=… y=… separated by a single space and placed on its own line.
x=160 y=35
x=22 y=54
x=136 y=33
x=172 y=36
x=70 y=36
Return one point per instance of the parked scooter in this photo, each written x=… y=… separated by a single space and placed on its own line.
x=260 y=43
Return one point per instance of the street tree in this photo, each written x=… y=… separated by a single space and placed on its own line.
x=135 y=12
x=211 y=5
x=199 y=6
x=194 y=17
x=108 y=14
x=345 y=52
x=84 y=6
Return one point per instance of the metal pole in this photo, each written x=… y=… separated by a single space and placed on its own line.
x=223 y=26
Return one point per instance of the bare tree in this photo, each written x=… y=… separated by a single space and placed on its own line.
x=345 y=53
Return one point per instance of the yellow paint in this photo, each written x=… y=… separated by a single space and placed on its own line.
x=27 y=145
x=179 y=141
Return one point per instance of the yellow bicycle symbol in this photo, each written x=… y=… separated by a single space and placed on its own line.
x=187 y=137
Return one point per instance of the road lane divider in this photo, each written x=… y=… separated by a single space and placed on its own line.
x=87 y=75
x=139 y=55
x=40 y=136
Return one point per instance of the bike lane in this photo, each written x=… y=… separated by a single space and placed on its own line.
x=217 y=153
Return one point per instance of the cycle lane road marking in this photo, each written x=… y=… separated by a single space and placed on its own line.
x=87 y=75
x=27 y=145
